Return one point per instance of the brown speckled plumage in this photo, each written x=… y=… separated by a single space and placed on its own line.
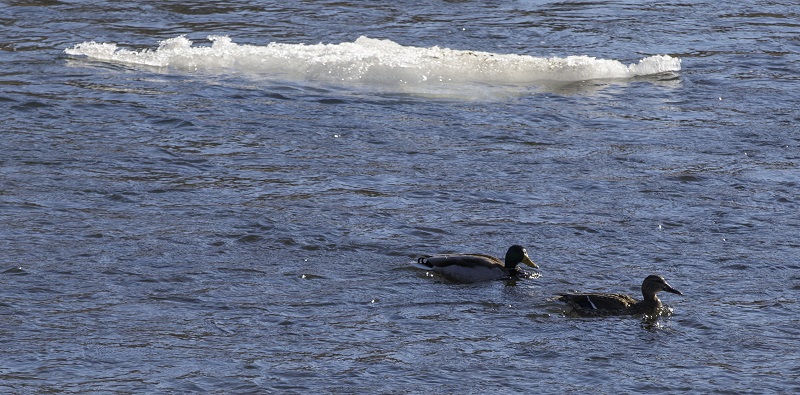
x=598 y=304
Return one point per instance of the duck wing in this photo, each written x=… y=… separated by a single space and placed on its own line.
x=597 y=301
x=463 y=260
x=465 y=268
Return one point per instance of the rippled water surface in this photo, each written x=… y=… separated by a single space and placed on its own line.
x=222 y=226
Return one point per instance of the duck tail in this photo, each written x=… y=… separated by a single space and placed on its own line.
x=422 y=263
x=564 y=297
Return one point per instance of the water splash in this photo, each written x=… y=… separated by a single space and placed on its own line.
x=374 y=62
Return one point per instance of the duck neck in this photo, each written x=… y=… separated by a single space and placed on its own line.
x=650 y=299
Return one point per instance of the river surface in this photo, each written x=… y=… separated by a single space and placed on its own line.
x=226 y=196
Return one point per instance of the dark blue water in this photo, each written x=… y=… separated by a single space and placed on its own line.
x=235 y=228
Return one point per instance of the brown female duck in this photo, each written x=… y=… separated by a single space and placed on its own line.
x=597 y=304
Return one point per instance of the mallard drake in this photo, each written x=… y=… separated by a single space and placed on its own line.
x=470 y=268
x=595 y=304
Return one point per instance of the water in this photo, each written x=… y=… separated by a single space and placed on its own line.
x=224 y=224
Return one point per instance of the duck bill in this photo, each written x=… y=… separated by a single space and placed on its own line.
x=668 y=288
x=529 y=262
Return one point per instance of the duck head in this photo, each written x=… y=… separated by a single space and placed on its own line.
x=517 y=254
x=654 y=284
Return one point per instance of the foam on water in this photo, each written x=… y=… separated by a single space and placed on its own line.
x=374 y=61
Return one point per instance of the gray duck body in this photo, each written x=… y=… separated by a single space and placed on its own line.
x=470 y=268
